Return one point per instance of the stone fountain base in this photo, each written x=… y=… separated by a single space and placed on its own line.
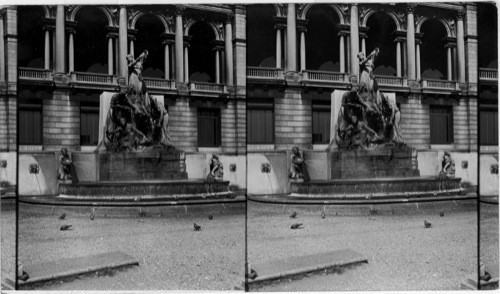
x=154 y=163
x=394 y=162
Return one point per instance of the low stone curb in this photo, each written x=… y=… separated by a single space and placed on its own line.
x=68 y=267
x=278 y=269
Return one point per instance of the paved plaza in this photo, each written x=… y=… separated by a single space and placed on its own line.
x=402 y=254
x=171 y=255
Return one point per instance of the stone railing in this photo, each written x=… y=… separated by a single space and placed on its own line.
x=324 y=76
x=488 y=74
x=207 y=87
x=440 y=84
x=91 y=78
x=391 y=81
x=34 y=73
x=159 y=83
x=264 y=73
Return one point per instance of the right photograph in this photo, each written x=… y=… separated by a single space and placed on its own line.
x=372 y=132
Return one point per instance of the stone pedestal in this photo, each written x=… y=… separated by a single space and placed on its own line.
x=393 y=162
x=151 y=164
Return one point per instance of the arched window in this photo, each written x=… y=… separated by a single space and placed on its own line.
x=322 y=41
x=91 y=46
x=433 y=52
x=149 y=30
x=201 y=53
x=31 y=37
x=261 y=36
x=380 y=34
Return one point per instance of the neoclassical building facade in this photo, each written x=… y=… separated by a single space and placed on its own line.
x=72 y=58
x=308 y=52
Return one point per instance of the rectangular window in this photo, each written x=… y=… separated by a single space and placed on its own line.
x=89 y=123
x=488 y=119
x=321 y=116
x=209 y=129
x=441 y=124
x=30 y=122
x=260 y=123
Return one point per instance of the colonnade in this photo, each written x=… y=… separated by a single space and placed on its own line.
x=407 y=46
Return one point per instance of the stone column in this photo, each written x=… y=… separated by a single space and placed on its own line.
x=217 y=66
x=278 y=47
x=449 y=70
x=354 y=41
x=122 y=40
x=417 y=58
x=71 y=49
x=110 y=54
x=342 y=53
x=398 y=58
x=60 y=40
x=461 y=47
x=186 y=63
x=405 y=60
x=302 y=49
x=291 y=39
x=167 y=60
x=131 y=47
x=2 y=49
x=410 y=40
x=363 y=44
x=348 y=50
x=179 y=43
x=47 y=48
x=455 y=62
x=228 y=37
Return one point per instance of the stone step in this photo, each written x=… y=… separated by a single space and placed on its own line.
x=66 y=267
x=142 y=189
x=374 y=186
x=297 y=265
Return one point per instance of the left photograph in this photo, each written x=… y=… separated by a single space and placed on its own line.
x=132 y=154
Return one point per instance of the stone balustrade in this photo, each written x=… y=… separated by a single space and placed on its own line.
x=34 y=74
x=264 y=73
x=488 y=74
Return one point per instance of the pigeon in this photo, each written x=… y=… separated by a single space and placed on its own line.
x=485 y=277
x=210 y=217
x=295 y=226
x=293 y=215
x=427 y=224
x=91 y=216
x=24 y=276
x=197 y=227
x=65 y=227
x=62 y=216
x=441 y=214
x=323 y=215
x=252 y=275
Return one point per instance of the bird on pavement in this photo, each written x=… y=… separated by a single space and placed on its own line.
x=24 y=276
x=210 y=217
x=91 y=216
x=293 y=215
x=252 y=275
x=441 y=214
x=62 y=216
x=427 y=224
x=65 y=227
x=197 y=227
x=323 y=214
x=295 y=226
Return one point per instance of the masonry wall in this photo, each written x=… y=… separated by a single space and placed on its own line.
x=183 y=125
x=293 y=121
x=228 y=127
x=8 y=123
x=241 y=127
x=415 y=122
x=61 y=121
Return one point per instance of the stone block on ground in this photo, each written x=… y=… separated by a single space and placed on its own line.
x=275 y=269
x=66 y=267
